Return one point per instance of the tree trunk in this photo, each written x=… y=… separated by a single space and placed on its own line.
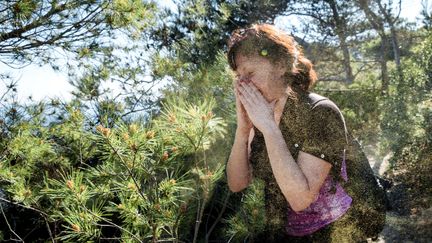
x=394 y=40
x=347 y=60
x=395 y=47
x=340 y=29
x=383 y=63
x=378 y=24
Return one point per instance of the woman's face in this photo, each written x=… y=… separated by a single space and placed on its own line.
x=263 y=74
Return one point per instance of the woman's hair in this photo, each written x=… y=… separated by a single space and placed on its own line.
x=278 y=47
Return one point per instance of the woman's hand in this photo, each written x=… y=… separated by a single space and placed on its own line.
x=244 y=124
x=259 y=111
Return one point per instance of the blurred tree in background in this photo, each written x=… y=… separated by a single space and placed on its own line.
x=198 y=29
x=32 y=30
x=145 y=161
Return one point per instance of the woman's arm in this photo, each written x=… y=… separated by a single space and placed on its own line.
x=238 y=167
x=299 y=182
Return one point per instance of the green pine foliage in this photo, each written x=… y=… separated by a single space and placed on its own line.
x=250 y=220
x=144 y=181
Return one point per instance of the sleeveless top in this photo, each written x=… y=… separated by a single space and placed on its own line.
x=318 y=129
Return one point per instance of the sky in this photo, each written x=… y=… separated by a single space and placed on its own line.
x=43 y=82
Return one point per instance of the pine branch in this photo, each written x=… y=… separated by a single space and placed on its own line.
x=7 y=222
x=49 y=230
x=24 y=206
x=218 y=217
x=127 y=167
x=111 y=223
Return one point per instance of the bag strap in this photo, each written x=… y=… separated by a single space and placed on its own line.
x=315 y=98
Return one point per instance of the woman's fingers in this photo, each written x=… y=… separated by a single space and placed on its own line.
x=255 y=93
x=245 y=100
x=248 y=95
x=245 y=88
x=252 y=97
x=240 y=101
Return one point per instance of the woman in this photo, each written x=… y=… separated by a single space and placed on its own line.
x=292 y=139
